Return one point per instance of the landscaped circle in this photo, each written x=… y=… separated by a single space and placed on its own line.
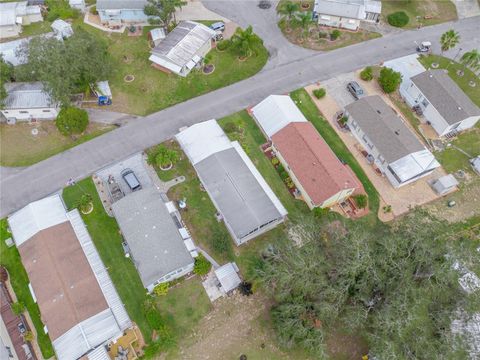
x=398 y=19
x=305 y=5
x=460 y=73
x=129 y=78
x=208 y=69
x=472 y=83
x=435 y=65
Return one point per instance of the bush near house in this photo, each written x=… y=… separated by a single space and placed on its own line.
x=18 y=308
x=367 y=74
x=161 y=289
x=71 y=120
x=361 y=200
x=389 y=80
x=319 y=93
x=223 y=45
x=93 y=10
x=202 y=266
x=335 y=34
x=398 y=19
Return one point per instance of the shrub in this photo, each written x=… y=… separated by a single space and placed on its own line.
x=367 y=74
x=18 y=308
x=335 y=34
x=280 y=168
x=223 y=45
x=245 y=288
x=161 y=289
x=320 y=212
x=319 y=93
x=71 y=120
x=165 y=157
x=202 y=266
x=343 y=120
x=28 y=336
x=322 y=35
x=153 y=317
x=361 y=200
x=387 y=209
x=230 y=127
x=398 y=19
x=284 y=175
x=275 y=161
x=389 y=80
x=93 y=10
x=61 y=9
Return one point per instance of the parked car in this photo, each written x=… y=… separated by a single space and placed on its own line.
x=131 y=179
x=355 y=89
x=424 y=47
x=218 y=26
x=22 y=328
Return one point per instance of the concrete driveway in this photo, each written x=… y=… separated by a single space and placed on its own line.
x=337 y=88
x=467 y=8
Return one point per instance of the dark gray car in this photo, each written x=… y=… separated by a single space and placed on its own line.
x=355 y=89
x=131 y=179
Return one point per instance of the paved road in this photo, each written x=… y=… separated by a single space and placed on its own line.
x=48 y=176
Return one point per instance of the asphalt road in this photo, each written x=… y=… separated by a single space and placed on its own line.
x=18 y=188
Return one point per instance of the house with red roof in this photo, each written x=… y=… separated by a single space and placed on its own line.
x=318 y=174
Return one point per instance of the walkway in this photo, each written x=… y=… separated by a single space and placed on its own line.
x=48 y=176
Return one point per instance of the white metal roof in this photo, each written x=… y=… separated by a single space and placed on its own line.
x=157 y=34
x=276 y=112
x=36 y=216
x=10 y=11
x=414 y=164
x=103 y=88
x=25 y=95
x=228 y=277
x=62 y=28
x=199 y=141
x=100 y=353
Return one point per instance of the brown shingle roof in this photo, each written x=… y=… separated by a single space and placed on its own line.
x=66 y=289
x=312 y=161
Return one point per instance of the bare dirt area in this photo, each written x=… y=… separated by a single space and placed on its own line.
x=237 y=325
x=467 y=201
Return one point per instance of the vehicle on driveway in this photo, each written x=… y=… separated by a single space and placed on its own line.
x=22 y=328
x=355 y=89
x=424 y=47
x=131 y=179
x=218 y=26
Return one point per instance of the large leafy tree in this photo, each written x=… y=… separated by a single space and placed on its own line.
x=6 y=75
x=471 y=59
x=449 y=40
x=389 y=79
x=395 y=285
x=246 y=42
x=66 y=67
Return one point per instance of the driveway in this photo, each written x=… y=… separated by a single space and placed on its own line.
x=467 y=8
x=48 y=176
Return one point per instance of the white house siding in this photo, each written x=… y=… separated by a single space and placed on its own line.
x=29 y=114
x=176 y=274
x=122 y=16
x=337 y=21
x=10 y=30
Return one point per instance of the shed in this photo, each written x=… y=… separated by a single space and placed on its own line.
x=103 y=89
x=156 y=35
x=444 y=184
x=62 y=29
x=77 y=4
x=475 y=162
x=228 y=277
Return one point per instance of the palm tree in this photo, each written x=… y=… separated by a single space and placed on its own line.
x=288 y=9
x=449 y=40
x=305 y=19
x=165 y=157
x=245 y=41
x=471 y=59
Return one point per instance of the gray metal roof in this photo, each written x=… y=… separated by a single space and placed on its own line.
x=384 y=128
x=121 y=4
x=445 y=96
x=183 y=42
x=23 y=95
x=238 y=195
x=346 y=8
x=156 y=245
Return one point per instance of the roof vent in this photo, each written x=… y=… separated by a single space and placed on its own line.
x=459 y=108
x=397 y=132
x=379 y=112
x=431 y=75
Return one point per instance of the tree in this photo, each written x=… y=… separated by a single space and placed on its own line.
x=65 y=67
x=246 y=42
x=395 y=284
x=471 y=59
x=202 y=265
x=71 y=120
x=163 y=11
x=6 y=75
x=398 y=19
x=449 y=40
x=367 y=74
x=389 y=79
x=85 y=203
x=165 y=157
x=361 y=200
x=288 y=9
x=305 y=20
x=61 y=9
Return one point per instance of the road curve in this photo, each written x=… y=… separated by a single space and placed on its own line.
x=39 y=180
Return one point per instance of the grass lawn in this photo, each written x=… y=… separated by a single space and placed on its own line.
x=200 y=212
x=108 y=241
x=462 y=81
x=308 y=108
x=294 y=33
x=436 y=11
x=452 y=159
x=10 y=259
x=18 y=147
x=183 y=307
x=153 y=90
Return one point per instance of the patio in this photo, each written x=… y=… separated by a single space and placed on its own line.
x=128 y=347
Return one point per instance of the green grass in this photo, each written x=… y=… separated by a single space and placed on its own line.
x=183 y=307
x=453 y=160
x=439 y=10
x=10 y=259
x=308 y=108
x=108 y=241
x=20 y=148
x=153 y=90
x=462 y=81
x=200 y=213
